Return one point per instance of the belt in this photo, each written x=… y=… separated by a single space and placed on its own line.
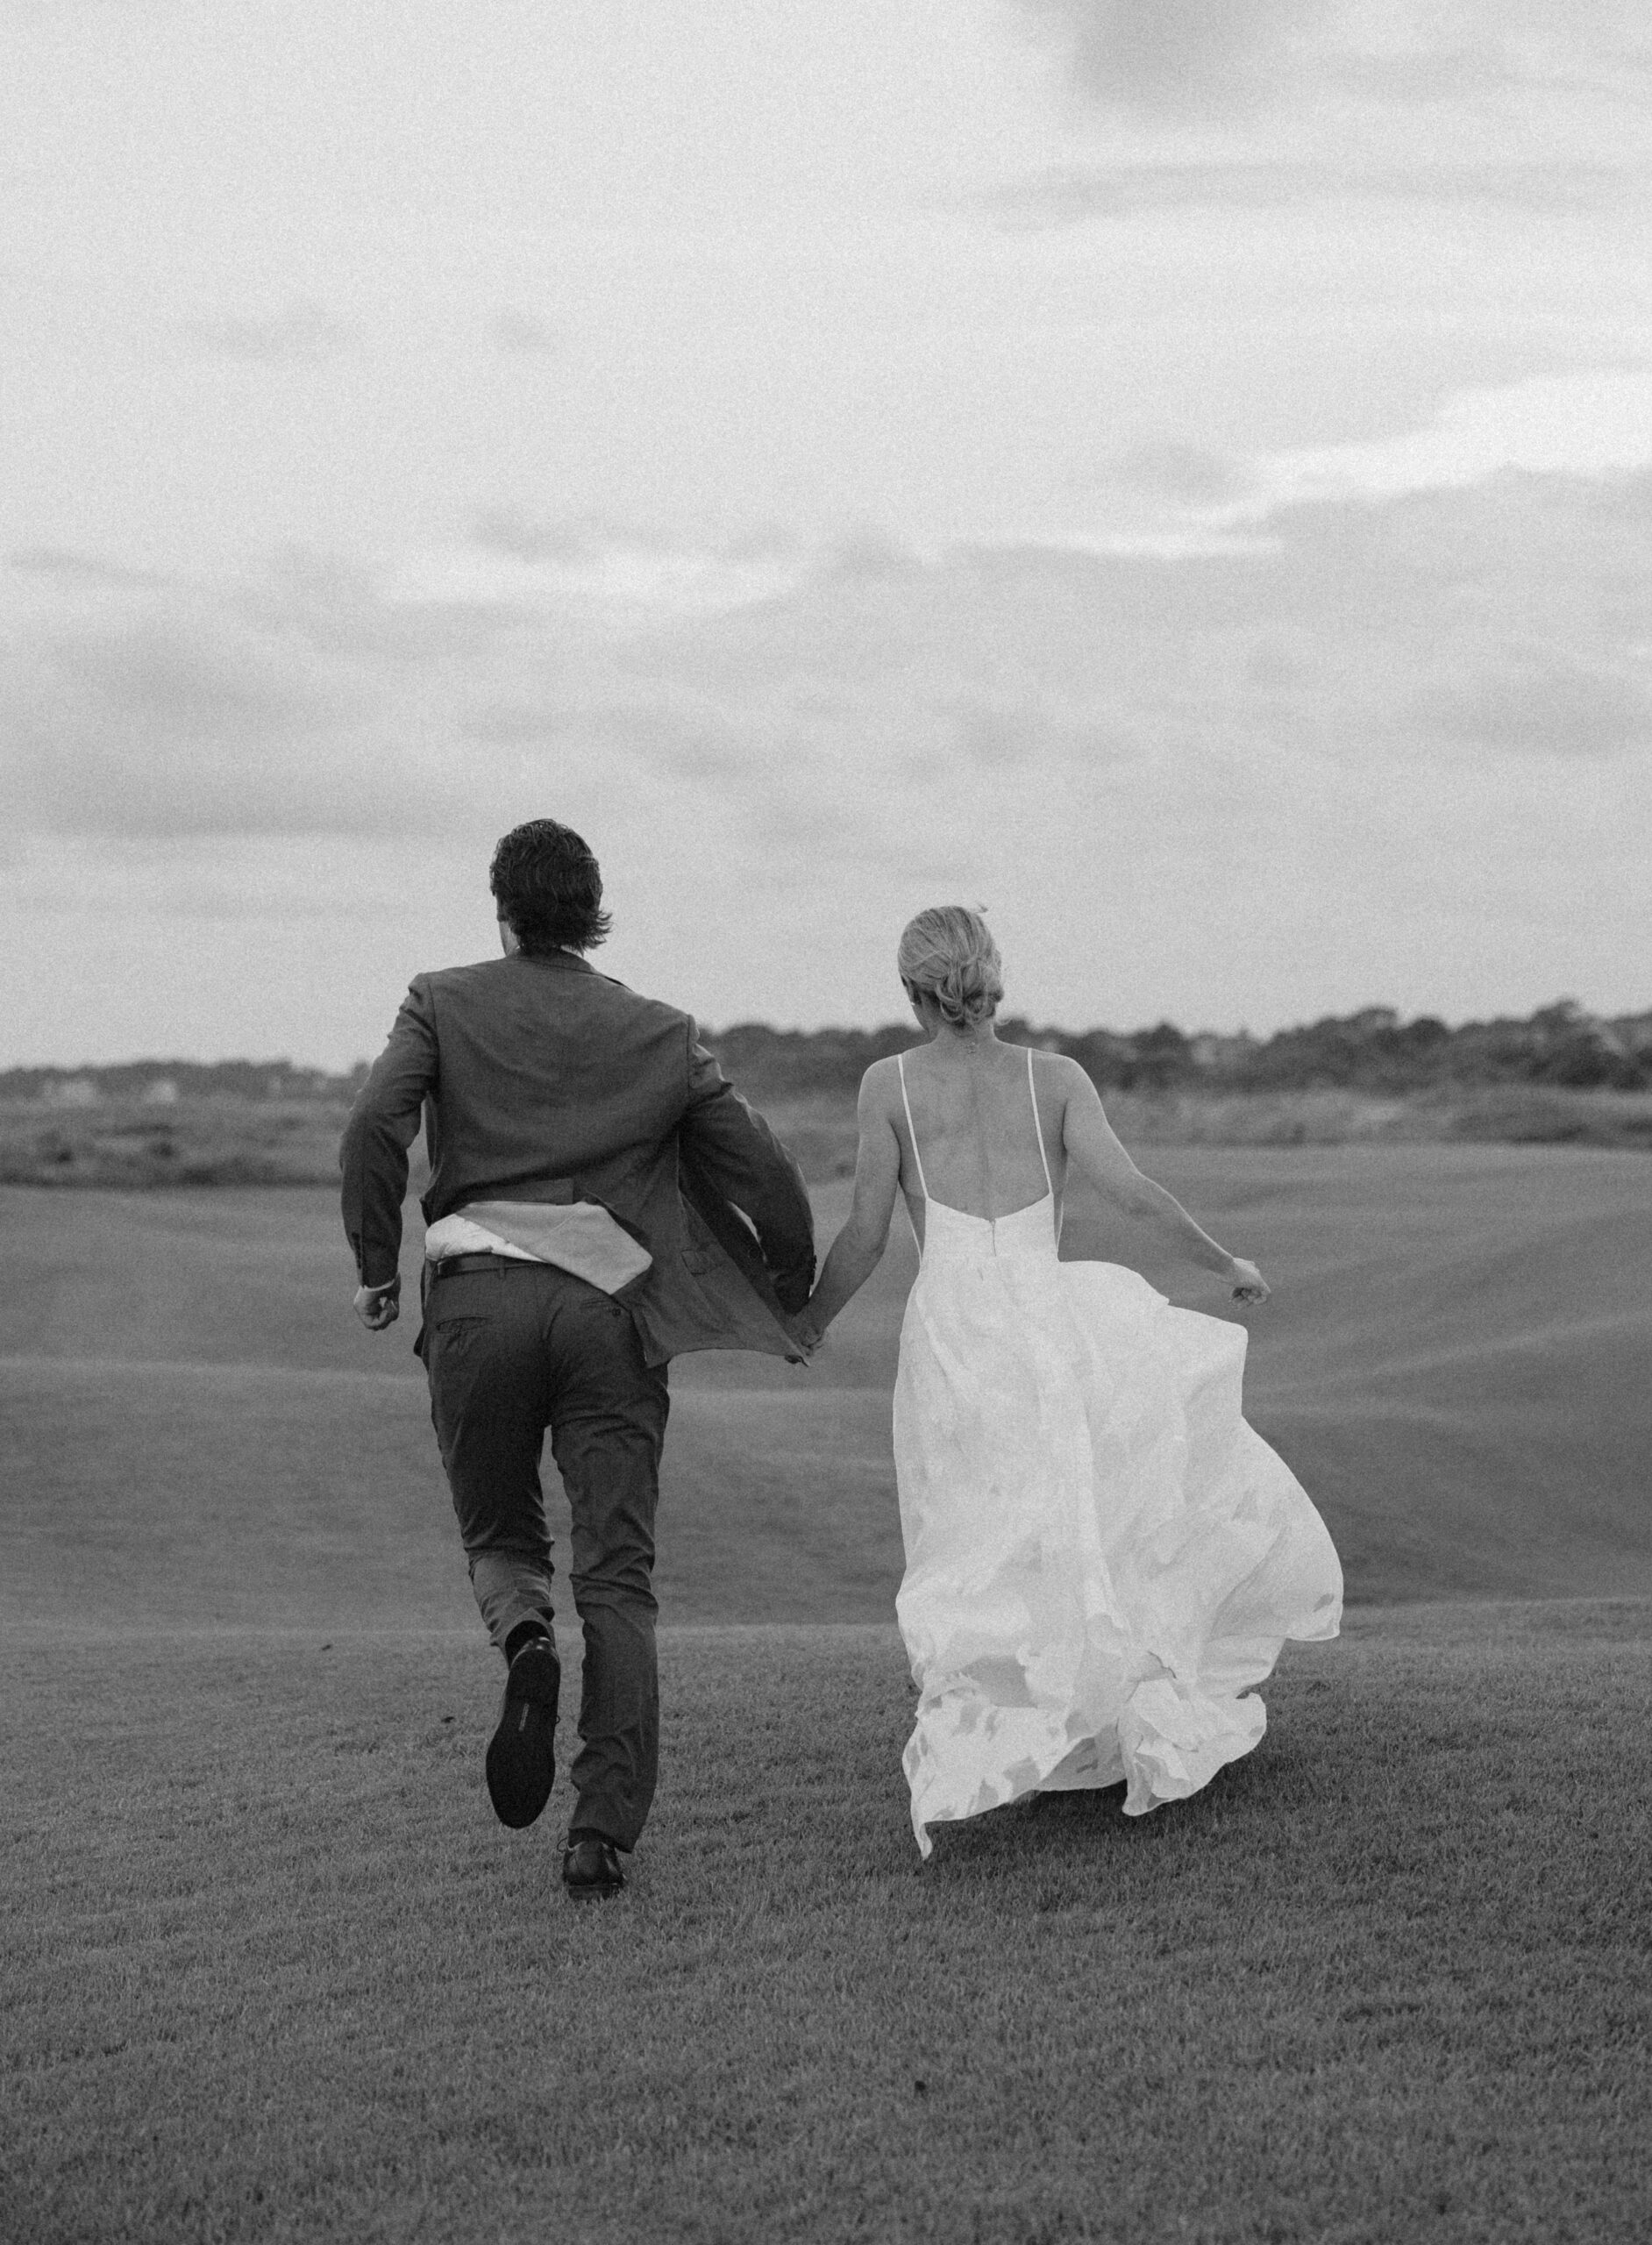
x=453 y=1266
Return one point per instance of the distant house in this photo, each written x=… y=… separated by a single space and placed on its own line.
x=70 y=1091
x=161 y=1091
x=1211 y=1053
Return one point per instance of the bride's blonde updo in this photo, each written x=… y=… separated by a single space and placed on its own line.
x=949 y=951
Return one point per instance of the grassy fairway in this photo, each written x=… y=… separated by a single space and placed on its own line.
x=196 y=1429
x=273 y=1972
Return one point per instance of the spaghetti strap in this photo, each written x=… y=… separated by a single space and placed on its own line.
x=901 y=1063
x=1050 y=1182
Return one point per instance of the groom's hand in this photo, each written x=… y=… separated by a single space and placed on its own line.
x=378 y=1307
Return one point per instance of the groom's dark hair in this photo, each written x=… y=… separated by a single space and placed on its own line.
x=548 y=887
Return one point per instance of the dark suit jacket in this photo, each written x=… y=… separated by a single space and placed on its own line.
x=540 y=1080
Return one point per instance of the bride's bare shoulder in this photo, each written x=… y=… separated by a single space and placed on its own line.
x=881 y=1087
x=1059 y=1077
x=1055 y=1068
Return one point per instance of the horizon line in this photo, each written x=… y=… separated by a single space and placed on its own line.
x=1585 y=1015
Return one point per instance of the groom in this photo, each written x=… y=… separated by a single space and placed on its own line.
x=601 y=1199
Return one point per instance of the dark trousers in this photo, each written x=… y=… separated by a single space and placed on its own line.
x=511 y=1352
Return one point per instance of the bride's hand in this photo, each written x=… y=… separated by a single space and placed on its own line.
x=806 y=1335
x=1248 y=1285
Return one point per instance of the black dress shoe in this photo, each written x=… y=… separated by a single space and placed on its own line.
x=591 y=1867
x=522 y=1752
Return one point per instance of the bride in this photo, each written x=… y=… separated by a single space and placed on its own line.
x=1102 y=1556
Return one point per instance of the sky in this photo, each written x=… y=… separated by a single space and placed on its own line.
x=1177 y=473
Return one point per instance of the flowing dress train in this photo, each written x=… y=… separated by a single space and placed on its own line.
x=1103 y=1559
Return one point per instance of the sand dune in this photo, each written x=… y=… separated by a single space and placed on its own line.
x=1455 y=1363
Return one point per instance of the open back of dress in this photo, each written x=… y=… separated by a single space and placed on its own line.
x=1103 y=1559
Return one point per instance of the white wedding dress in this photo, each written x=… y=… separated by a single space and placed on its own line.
x=1102 y=1557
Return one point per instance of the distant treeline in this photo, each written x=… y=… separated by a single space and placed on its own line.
x=162 y=1083
x=1372 y=1051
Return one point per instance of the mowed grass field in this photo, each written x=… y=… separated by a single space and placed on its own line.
x=272 y=1971
x=1454 y=1362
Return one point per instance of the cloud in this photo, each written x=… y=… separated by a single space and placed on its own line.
x=88 y=569
x=1007 y=736
x=1539 y=706
x=295 y=703
x=504 y=529
x=1188 y=474
x=1181 y=60
x=513 y=559
x=1629 y=496
x=502 y=724
x=996 y=738
x=175 y=726
x=1596 y=421
x=1072 y=195
x=1354 y=635
x=1223 y=783
x=1423 y=75
x=1174 y=55
x=867 y=556
x=521 y=335
x=303 y=335
x=194 y=685
x=663 y=734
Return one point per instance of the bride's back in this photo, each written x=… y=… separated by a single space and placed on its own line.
x=972 y=1114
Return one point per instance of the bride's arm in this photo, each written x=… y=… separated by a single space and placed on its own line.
x=1096 y=1154
x=858 y=1247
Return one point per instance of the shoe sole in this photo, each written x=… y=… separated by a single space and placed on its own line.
x=590 y=1890
x=593 y=1890
x=521 y=1762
